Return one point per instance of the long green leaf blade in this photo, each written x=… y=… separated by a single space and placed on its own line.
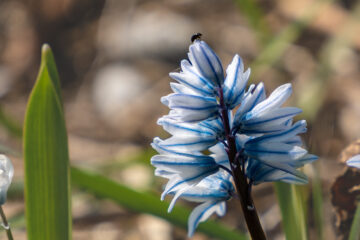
x=355 y=226
x=145 y=203
x=292 y=206
x=47 y=189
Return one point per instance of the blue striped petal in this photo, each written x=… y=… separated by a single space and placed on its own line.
x=308 y=158
x=259 y=172
x=219 y=155
x=192 y=115
x=185 y=180
x=206 y=62
x=273 y=175
x=156 y=144
x=216 y=187
x=184 y=129
x=190 y=78
x=296 y=141
x=202 y=212
x=253 y=96
x=274 y=119
x=214 y=124
x=189 y=143
x=283 y=136
x=179 y=164
x=191 y=107
x=180 y=88
x=276 y=98
x=270 y=152
x=235 y=82
x=354 y=161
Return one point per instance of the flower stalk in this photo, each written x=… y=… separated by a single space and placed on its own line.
x=242 y=185
x=5 y=224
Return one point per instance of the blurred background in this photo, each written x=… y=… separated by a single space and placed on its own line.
x=114 y=57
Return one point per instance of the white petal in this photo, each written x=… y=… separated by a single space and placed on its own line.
x=278 y=175
x=6 y=175
x=275 y=117
x=274 y=152
x=276 y=99
x=176 y=197
x=283 y=136
x=354 y=161
x=180 y=88
x=235 y=82
x=253 y=97
x=189 y=166
x=219 y=155
x=201 y=213
x=184 y=129
x=194 y=81
x=191 y=107
x=206 y=62
x=179 y=182
x=189 y=143
x=308 y=158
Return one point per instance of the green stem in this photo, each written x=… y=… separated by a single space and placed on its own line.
x=355 y=226
x=6 y=224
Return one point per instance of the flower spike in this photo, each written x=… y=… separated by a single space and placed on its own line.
x=212 y=154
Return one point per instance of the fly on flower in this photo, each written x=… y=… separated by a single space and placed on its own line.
x=250 y=137
x=196 y=36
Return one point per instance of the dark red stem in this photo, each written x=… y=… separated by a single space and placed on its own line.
x=241 y=183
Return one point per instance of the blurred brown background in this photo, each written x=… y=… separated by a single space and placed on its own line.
x=114 y=58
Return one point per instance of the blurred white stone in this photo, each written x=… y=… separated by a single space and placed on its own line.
x=153 y=228
x=115 y=87
x=108 y=231
x=149 y=31
x=137 y=176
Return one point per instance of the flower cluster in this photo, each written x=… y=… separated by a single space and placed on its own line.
x=6 y=174
x=207 y=110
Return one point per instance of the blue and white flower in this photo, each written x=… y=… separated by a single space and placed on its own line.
x=6 y=175
x=354 y=161
x=195 y=159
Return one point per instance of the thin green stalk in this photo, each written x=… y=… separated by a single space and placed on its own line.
x=318 y=203
x=6 y=224
x=293 y=210
x=355 y=226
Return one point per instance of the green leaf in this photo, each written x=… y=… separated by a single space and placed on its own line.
x=47 y=189
x=317 y=198
x=355 y=226
x=145 y=203
x=292 y=205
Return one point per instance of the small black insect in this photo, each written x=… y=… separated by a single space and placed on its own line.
x=196 y=36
